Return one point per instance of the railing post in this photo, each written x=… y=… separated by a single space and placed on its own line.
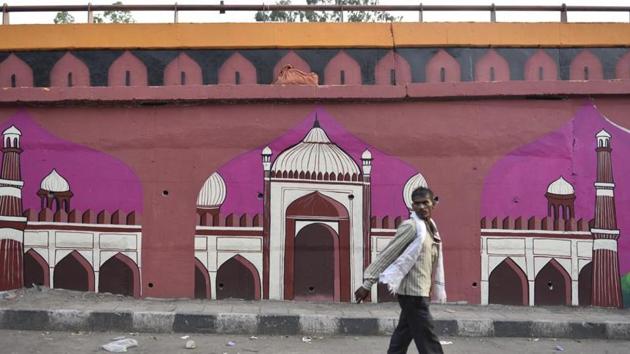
x=175 y=14
x=420 y=14
x=563 y=13
x=90 y=13
x=221 y=11
x=341 y=13
x=493 y=13
x=5 y=14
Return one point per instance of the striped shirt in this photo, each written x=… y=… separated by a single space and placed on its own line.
x=418 y=281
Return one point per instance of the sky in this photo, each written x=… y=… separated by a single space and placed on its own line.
x=242 y=16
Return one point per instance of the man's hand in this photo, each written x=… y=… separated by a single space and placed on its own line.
x=361 y=294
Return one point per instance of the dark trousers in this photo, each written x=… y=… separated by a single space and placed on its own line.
x=415 y=323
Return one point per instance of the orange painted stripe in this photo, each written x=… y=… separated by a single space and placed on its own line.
x=310 y=35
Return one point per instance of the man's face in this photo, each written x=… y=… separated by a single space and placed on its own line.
x=423 y=206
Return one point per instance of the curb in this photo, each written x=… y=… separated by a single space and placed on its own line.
x=276 y=324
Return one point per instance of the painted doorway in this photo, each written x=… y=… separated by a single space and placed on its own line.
x=74 y=272
x=316 y=264
x=237 y=278
x=585 y=285
x=118 y=275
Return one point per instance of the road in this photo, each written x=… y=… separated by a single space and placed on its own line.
x=28 y=342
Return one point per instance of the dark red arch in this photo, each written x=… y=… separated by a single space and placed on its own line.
x=67 y=283
x=32 y=259
x=507 y=284
x=248 y=266
x=134 y=288
x=315 y=206
x=559 y=292
x=202 y=285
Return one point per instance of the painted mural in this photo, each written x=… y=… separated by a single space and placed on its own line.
x=70 y=215
x=300 y=217
x=554 y=222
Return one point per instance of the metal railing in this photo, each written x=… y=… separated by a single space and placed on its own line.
x=223 y=8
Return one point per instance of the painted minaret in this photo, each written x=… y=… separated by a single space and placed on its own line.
x=12 y=223
x=266 y=161
x=606 y=280
x=366 y=159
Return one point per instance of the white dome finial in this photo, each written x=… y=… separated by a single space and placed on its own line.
x=212 y=194
x=54 y=182
x=560 y=187
x=414 y=182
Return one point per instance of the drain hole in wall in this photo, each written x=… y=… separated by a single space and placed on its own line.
x=474 y=284
x=165 y=192
x=550 y=285
x=220 y=286
x=311 y=289
x=150 y=285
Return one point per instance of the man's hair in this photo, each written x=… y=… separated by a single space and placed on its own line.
x=421 y=192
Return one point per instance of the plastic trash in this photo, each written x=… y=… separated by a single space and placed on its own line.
x=191 y=344
x=231 y=343
x=253 y=338
x=445 y=342
x=559 y=348
x=184 y=337
x=121 y=345
x=307 y=339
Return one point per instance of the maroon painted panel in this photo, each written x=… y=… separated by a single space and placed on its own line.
x=585 y=285
x=127 y=70
x=492 y=67
x=443 y=68
x=541 y=66
x=392 y=69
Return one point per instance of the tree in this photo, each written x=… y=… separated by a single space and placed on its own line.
x=63 y=17
x=326 y=16
x=115 y=16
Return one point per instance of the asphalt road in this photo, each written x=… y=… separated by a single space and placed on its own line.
x=27 y=342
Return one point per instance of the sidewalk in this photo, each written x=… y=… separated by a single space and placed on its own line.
x=62 y=310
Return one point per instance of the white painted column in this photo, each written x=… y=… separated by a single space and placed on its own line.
x=531 y=271
x=575 y=274
x=484 y=271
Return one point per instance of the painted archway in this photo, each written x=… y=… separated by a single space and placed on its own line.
x=507 y=284
x=319 y=208
x=552 y=285
x=119 y=275
x=238 y=278
x=36 y=269
x=202 y=281
x=74 y=272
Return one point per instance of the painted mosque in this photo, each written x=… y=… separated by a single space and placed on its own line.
x=316 y=210
x=556 y=260
x=66 y=248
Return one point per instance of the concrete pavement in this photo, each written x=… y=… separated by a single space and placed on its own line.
x=62 y=310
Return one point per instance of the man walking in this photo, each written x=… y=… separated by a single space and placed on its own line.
x=407 y=265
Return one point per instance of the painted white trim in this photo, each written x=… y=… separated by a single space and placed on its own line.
x=604 y=185
x=604 y=231
x=300 y=224
x=9 y=182
x=10 y=192
x=555 y=232
x=229 y=228
x=604 y=193
x=53 y=224
x=13 y=218
x=605 y=244
x=318 y=181
x=384 y=230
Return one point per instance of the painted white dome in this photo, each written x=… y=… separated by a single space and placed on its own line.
x=560 y=187
x=367 y=155
x=212 y=194
x=315 y=154
x=266 y=151
x=54 y=183
x=414 y=182
x=12 y=130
